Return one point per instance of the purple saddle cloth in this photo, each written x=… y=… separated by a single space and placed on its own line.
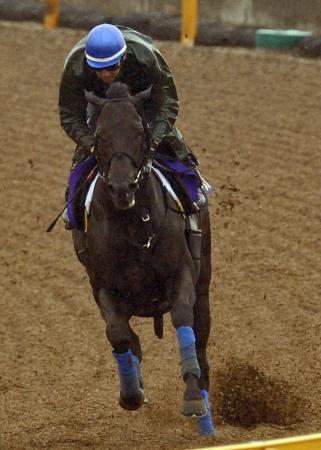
x=77 y=175
x=188 y=176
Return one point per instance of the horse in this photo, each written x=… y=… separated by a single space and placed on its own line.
x=137 y=259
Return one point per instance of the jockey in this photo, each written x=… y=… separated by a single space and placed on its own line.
x=109 y=53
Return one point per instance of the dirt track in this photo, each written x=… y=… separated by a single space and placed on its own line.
x=254 y=120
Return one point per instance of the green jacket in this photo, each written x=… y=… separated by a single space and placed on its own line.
x=143 y=66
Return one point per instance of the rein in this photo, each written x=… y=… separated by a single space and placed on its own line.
x=115 y=155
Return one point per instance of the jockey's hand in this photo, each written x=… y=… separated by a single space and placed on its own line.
x=191 y=160
x=153 y=147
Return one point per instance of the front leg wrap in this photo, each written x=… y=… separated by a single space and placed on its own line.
x=189 y=363
x=129 y=373
x=138 y=371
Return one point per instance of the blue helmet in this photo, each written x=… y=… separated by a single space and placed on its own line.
x=105 y=46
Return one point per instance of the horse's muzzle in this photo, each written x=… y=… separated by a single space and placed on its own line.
x=122 y=198
x=123 y=204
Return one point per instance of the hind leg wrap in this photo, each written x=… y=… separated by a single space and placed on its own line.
x=205 y=423
x=189 y=363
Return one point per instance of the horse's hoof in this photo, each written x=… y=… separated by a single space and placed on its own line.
x=134 y=402
x=194 y=408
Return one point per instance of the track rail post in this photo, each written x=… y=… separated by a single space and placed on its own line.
x=52 y=13
x=189 y=22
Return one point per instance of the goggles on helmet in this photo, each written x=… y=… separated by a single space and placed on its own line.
x=109 y=68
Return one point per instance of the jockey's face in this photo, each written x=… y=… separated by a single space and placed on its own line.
x=108 y=75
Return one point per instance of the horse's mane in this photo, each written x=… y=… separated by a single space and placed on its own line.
x=118 y=90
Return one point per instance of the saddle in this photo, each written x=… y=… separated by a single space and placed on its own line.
x=183 y=179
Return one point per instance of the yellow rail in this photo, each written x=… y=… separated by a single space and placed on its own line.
x=189 y=22
x=52 y=14
x=308 y=442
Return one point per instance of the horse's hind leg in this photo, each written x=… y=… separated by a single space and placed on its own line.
x=202 y=314
x=202 y=325
x=182 y=319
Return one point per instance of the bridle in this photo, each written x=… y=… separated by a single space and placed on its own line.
x=147 y=150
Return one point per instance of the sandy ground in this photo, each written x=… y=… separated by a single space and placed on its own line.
x=253 y=118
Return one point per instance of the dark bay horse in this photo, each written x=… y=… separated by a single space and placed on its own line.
x=137 y=258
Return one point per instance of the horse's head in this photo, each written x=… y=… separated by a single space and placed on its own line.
x=121 y=152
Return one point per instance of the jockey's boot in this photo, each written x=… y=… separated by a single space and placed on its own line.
x=65 y=217
x=201 y=202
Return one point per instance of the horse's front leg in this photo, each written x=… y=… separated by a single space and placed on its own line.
x=182 y=319
x=123 y=340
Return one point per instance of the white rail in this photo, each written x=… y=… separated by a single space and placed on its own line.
x=308 y=442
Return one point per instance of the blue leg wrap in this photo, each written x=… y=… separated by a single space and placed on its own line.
x=128 y=373
x=138 y=371
x=205 y=423
x=186 y=339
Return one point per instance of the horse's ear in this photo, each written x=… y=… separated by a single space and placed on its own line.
x=94 y=99
x=142 y=96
